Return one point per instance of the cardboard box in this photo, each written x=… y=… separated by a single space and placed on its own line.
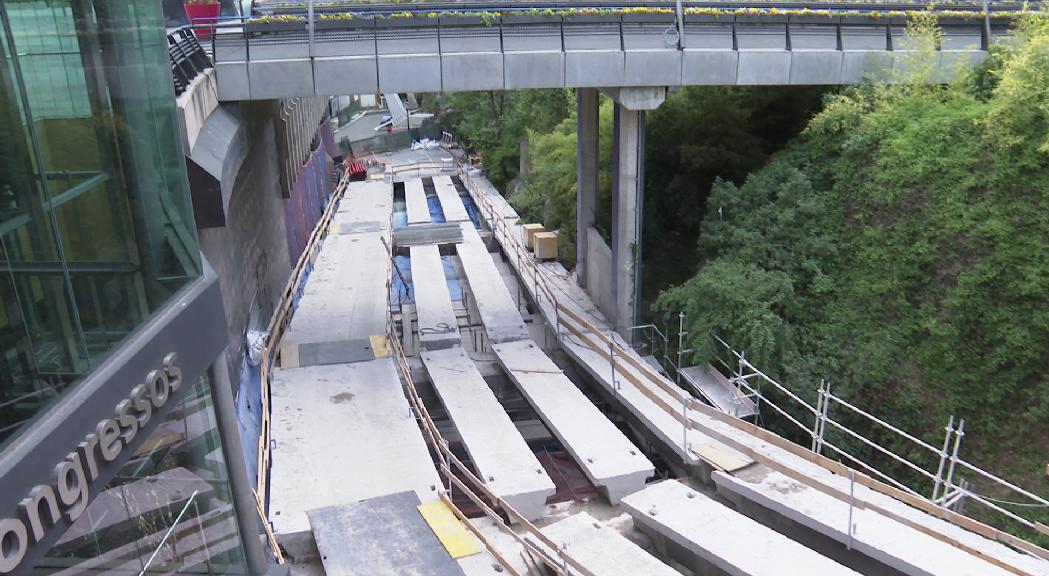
x=529 y=231
x=545 y=245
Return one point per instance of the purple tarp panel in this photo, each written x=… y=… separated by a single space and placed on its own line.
x=328 y=138
x=308 y=196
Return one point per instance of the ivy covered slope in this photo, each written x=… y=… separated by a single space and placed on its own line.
x=900 y=248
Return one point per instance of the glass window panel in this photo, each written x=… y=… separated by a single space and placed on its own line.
x=169 y=511
x=96 y=223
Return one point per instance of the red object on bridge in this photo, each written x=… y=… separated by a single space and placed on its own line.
x=357 y=170
x=202 y=17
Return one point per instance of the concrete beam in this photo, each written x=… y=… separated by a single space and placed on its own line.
x=711 y=538
x=637 y=98
x=438 y=327
x=608 y=458
x=587 y=150
x=415 y=202
x=602 y=550
x=499 y=453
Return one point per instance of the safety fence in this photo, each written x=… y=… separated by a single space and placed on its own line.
x=682 y=406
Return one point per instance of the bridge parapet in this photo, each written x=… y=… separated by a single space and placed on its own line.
x=284 y=56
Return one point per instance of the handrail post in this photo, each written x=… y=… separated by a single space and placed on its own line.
x=820 y=399
x=825 y=410
x=309 y=24
x=680 y=344
x=958 y=434
x=938 y=482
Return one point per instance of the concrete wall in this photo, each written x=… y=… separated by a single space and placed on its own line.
x=250 y=254
x=195 y=105
x=599 y=273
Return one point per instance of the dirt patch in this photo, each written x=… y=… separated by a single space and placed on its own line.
x=342 y=397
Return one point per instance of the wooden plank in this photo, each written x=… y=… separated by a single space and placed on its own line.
x=480 y=535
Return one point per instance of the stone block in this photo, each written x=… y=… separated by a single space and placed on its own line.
x=709 y=67
x=809 y=67
x=590 y=68
x=233 y=80
x=767 y=67
x=273 y=79
x=346 y=75
x=410 y=73
x=475 y=71
x=534 y=70
x=652 y=68
x=856 y=65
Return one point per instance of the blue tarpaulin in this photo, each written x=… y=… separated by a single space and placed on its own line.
x=471 y=211
x=400 y=292
x=436 y=212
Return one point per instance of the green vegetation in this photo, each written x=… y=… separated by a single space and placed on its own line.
x=898 y=247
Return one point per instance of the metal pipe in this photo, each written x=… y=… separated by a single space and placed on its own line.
x=943 y=458
x=958 y=434
x=243 y=501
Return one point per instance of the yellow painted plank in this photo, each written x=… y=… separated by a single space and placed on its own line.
x=456 y=540
x=380 y=347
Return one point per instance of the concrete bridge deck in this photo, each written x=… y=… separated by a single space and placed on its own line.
x=450 y=52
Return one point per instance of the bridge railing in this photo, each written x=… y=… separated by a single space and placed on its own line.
x=680 y=404
x=188 y=58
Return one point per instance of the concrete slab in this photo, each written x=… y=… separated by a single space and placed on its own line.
x=499 y=453
x=451 y=203
x=352 y=542
x=438 y=327
x=607 y=457
x=896 y=545
x=502 y=321
x=415 y=202
x=345 y=295
x=342 y=433
x=705 y=533
x=363 y=204
x=602 y=550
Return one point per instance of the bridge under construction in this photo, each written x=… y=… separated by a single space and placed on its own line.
x=440 y=401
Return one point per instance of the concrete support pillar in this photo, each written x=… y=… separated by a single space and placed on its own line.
x=587 y=151
x=627 y=202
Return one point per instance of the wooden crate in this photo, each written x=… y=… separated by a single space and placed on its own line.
x=528 y=231
x=545 y=245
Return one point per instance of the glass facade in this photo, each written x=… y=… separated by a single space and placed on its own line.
x=96 y=225
x=168 y=511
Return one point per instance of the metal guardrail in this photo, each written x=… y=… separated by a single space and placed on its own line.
x=188 y=58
